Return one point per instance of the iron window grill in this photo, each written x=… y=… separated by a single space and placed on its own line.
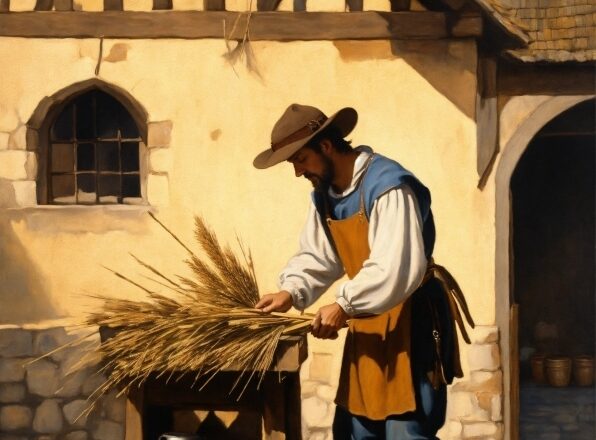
x=94 y=155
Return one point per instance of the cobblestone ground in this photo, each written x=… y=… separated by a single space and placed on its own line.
x=549 y=413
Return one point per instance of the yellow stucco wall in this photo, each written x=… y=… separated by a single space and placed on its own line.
x=416 y=104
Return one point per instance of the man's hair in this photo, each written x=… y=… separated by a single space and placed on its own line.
x=333 y=134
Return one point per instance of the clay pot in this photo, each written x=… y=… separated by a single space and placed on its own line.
x=583 y=371
x=558 y=371
x=537 y=368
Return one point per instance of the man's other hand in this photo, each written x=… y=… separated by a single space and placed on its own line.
x=328 y=321
x=275 y=302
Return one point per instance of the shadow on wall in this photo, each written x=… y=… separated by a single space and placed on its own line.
x=448 y=66
x=23 y=295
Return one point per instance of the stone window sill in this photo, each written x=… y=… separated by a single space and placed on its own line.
x=96 y=219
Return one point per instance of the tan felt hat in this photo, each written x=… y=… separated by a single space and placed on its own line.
x=298 y=125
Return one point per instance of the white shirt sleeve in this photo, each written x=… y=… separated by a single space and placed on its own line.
x=314 y=268
x=397 y=263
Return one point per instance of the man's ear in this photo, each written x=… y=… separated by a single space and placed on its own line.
x=326 y=147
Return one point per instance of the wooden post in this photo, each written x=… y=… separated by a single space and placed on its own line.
x=4 y=5
x=514 y=371
x=112 y=5
x=44 y=5
x=487 y=118
x=134 y=413
x=162 y=4
x=215 y=5
x=63 y=5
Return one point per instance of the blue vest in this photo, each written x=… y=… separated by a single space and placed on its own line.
x=383 y=174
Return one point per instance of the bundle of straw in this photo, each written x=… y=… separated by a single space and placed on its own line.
x=205 y=325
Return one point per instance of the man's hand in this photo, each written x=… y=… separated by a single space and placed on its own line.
x=275 y=302
x=328 y=321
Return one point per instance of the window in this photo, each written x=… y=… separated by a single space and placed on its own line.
x=93 y=155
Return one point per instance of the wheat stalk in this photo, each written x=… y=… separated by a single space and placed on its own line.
x=206 y=323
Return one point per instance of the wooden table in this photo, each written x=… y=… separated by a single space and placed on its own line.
x=269 y=412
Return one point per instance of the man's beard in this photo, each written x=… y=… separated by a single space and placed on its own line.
x=322 y=182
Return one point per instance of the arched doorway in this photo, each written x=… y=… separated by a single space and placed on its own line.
x=552 y=271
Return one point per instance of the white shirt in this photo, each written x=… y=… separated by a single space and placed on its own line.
x=393 y=270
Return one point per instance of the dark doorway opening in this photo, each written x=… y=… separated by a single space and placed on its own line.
x=553 y=206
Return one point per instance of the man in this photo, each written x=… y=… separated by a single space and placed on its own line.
x=370 y=219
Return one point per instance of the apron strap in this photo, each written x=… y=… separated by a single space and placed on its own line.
x=358 y=185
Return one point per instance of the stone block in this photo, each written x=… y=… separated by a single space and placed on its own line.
x=4 y=141
x=14 y=164
x=12 y=370
x=479 y=429
x=326 y=392
x=452 y=430
x=12 y=392
x=115 y=407
x=484 y=357
x=160 y=160
x=71 y=384
x=15 y=341
x=22 y=5
x=137 y=5
x=467 y=406
x=76 y=435
x=48 y=417
x=188 y=5
x=376 y=5
x=48 y=340
x=25 y=193
x=485 y=334
x=9 y=119
x=43 y=378
x=92 y=383
x=18 y=139
x=73 y=413
x=13 y=417
x=159 y=134
x=320 y=367
x=317 y=413
x=496 y=408
x=158 y=190
x=107 y=430
x=308 y=388
x=88 y=5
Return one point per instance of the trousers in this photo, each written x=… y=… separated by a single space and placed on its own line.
x=421 y=424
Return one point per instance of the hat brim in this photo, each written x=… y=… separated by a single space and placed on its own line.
x=345 y=120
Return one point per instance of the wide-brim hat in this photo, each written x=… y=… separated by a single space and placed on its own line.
x=297 y=126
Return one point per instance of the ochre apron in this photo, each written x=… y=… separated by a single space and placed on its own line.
x=375 y=379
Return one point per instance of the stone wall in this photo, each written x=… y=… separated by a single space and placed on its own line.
x=45 y=399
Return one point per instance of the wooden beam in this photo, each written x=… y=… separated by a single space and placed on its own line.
x=44 y=5
x=214 y=5
x=162 y=4
x=263 y=25
x=112 y=5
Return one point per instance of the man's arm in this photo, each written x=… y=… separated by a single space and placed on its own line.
x=309 y=273
x=397 y=262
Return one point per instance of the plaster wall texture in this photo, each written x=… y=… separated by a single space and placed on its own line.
x=416 y=104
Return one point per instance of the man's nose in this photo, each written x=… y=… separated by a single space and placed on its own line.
x=298 y=170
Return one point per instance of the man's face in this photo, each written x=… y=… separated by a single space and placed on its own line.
x=314 y=166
